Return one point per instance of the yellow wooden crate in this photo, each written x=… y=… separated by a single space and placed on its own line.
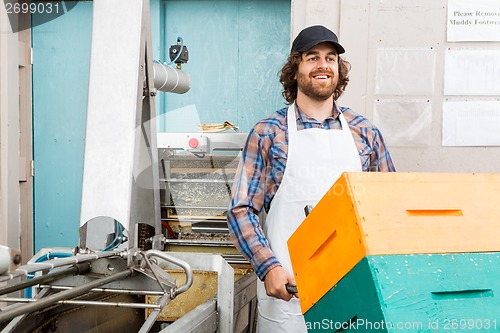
x=392 y=213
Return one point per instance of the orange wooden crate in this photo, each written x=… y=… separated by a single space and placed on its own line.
x=392 y=213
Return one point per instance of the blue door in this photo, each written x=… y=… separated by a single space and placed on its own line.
x=236 y=49
x=61 y=52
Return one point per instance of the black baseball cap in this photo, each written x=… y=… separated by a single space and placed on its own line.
x=312 y=36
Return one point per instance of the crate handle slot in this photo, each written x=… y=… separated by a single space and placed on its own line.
x=466 y=293
x=323 y=246
x=434 y=212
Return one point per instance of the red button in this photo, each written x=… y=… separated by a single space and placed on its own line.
x=193 y=143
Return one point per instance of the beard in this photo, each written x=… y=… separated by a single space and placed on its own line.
x=315 y=90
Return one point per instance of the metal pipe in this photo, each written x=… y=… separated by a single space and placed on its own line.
x=73 y=270
x=59 y=262
x=178 y=262
x=207 y=243
x=169 y=79
x=13 y=324
x=80 y=302
x=209 y=229
x=114 y=304
x=108 y=290
x=67 y=294
x=222 y=181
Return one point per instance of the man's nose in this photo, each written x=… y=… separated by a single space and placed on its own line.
x=322 y=63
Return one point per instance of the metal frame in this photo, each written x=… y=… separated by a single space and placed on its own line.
x=120 y=176
x=232 y=310
x=203 y=318
x=176 y=146
x=225 y=287
x=112 y=276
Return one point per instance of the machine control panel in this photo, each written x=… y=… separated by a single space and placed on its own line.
x=196 y=143
x=201 y=142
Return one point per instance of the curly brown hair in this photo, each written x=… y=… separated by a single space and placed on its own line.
x=289 y=82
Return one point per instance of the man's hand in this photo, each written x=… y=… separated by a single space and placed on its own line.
x=275 y=281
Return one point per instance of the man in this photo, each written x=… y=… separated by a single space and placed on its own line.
x=290 y=160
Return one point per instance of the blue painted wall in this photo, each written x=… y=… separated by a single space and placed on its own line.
x=236 y=49
x=61 y=50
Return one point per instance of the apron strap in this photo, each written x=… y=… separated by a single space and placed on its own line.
x=343 y=122
x=292 y=121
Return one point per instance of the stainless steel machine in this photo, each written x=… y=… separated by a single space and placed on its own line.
x=196 y=176
x=126 y=273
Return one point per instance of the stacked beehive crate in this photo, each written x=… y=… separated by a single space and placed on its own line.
x=401 y=252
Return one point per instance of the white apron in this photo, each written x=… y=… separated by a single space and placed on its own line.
x=316 y=159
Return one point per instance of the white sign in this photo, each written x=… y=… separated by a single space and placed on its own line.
x=405 y=71
x=405 y=123
x=473 y=20
x=472 y=72
x=471 y=123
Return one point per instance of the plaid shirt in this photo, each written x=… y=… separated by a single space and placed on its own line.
x=261 y=170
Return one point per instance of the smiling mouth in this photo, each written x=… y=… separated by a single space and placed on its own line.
x=321 y=77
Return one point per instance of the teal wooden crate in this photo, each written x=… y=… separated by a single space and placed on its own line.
x=413 y=293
